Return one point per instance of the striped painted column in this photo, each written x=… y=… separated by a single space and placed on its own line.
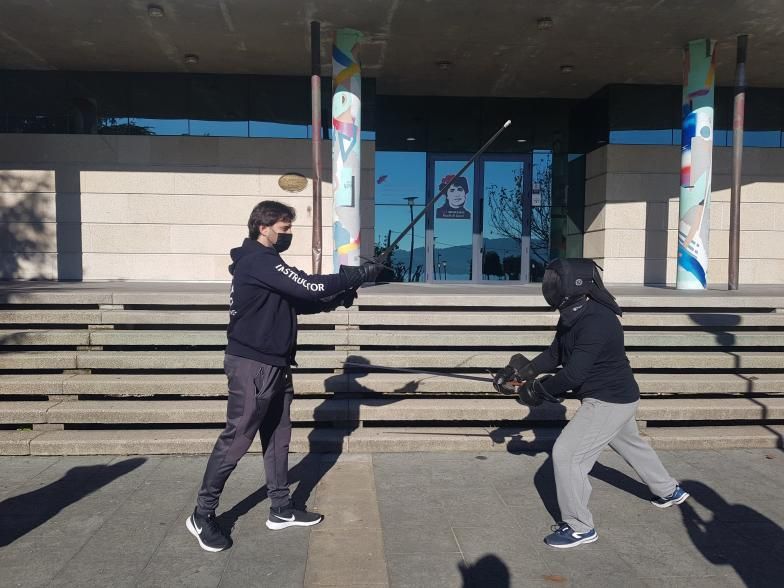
x=699 y=67
x=346 y=129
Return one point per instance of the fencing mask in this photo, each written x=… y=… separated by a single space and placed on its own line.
x=566 y=280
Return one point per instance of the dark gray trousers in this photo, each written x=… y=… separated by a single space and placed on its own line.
x=260 y=398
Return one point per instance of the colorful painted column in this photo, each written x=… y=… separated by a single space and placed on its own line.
x=346 y=164
x=699 y=67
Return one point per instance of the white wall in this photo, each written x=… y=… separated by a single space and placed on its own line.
x=631 y=214
x=152 y=208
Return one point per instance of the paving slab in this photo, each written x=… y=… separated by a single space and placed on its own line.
x=98 y=520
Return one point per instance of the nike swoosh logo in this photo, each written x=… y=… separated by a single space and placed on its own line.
x=198 y=529
x=290 y=519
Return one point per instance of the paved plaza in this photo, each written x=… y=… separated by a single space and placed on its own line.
x=399 y=520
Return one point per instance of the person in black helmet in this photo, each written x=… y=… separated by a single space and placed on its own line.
x=589 y=346
x=266 y=296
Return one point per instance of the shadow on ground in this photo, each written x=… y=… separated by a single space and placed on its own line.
x=21 y=514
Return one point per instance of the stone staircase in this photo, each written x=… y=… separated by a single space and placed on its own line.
x=137 y=368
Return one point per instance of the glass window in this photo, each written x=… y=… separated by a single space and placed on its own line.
x=541 y=212
x=159 y=104
x=219 y=106
x=280 y=107
x=98 y=103
x=35 y=102
x=642 y=137
x=400 y=186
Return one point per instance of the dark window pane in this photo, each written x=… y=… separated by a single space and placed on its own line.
x=35 y=102
x=97 y=103
x=280 y=107
x=219 y=106
x=159 y=104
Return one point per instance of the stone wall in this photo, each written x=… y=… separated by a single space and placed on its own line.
x=97 y=207
x=631 y=214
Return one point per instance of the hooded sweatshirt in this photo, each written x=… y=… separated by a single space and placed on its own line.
x=266 y=296
x=589 y=345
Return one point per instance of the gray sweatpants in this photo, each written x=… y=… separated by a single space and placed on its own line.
x=260 y=398
x=596 y=425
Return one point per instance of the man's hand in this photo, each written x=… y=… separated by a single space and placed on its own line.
x=511 y=372
x=501 y=378
x=356 y=276
x=344 y=299
x=531 y=393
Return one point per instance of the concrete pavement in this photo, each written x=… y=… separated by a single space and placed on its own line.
x=399 y=520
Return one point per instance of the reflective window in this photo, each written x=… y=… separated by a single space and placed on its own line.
x=219 y=106
x=649 y=137
x=159 y=105
x=400 y=190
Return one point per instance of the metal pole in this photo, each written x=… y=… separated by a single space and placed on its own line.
x=410 y=200
x=737 y=160
x=315 y=113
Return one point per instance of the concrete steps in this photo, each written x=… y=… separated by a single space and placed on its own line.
x=331 y=360
x=376 y=410
x=214 y=384
x=374 y=338
x=370 y=439
x=124 y=368
x=386 y=318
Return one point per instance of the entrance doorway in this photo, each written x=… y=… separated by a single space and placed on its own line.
x=480 y=231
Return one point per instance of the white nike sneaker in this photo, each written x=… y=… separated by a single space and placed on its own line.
x=288 y=516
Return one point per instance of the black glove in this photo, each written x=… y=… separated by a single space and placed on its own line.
x=511 y=372
x=347 y=299
x=344 y=299
x=524 y=368
x=356 y=276
x=501 y=378
x=531 y=393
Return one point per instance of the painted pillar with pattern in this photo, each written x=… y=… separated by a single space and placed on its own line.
x=699 y=67
x=346 y=163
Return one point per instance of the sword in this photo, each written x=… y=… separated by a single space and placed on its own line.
x=382 y=257
x=369 y=366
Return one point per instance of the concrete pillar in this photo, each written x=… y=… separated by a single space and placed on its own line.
x=699 y=68
x=346 y=131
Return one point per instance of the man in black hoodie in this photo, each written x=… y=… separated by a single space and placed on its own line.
x=266 y=296
x=589 y=345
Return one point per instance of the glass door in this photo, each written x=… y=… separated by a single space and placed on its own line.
x=505 y=193
x=480 y=230
x=452 y=223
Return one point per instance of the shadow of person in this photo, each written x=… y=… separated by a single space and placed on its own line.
x=735 y=535
x=537 y=434
x=487 y=572
x=21 y=514
x=339 y=415
x=538 y=430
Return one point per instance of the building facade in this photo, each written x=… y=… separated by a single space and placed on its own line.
x=135 y=147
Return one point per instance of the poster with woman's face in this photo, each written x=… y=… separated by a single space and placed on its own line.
x=456 y=198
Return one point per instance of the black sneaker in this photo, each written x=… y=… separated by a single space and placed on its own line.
x=206 y=530
x=288 y=516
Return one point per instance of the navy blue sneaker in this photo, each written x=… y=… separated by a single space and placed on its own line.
x=563 y=537
x=675 y=498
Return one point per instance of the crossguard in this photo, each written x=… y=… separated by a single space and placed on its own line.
x=512 y=386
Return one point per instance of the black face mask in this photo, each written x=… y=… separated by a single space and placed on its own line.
x=283 y=242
